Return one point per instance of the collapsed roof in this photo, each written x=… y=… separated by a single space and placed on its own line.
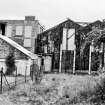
x=18 y=47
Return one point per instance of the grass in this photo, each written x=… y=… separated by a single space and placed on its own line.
x=61 y=89
x=96 y=95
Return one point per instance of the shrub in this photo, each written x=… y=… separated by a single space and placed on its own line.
x=10 y=63
x=95 y=96
x=99 y=93
x=95 y=61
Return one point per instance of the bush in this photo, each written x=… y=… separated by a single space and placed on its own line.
x=99 y=93
x=95 y=61
x=10 y=63
x=95 y=96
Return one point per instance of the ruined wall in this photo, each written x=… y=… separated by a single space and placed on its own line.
x=5 y=49
x=16 y=30
x=20 y=59
x=49 y=41
x=23 y=66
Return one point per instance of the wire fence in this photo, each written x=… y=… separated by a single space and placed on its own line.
x=9 y=82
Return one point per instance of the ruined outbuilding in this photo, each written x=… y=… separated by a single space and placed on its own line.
x=59 y=44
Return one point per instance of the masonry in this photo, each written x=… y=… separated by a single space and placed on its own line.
x=21 y=60
x=24 y=32
x=6 y=49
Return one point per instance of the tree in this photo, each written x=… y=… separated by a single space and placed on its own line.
x=95 y=61
x=10 y=63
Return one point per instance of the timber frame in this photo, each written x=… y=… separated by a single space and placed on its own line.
x=54 y=36
x=82 y=55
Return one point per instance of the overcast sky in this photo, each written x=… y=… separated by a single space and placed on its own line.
x=52 y=12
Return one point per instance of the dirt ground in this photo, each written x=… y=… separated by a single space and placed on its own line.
x=54 y=89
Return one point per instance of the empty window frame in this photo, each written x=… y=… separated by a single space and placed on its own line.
x=28 y=31
x=9 y=31
x=27 y=42
x=19 y=30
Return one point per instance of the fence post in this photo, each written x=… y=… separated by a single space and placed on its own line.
x=74 y=60
x=60 y=61
x=90 y=57
x=1 y=78
x=26 y=72
x=16 y=76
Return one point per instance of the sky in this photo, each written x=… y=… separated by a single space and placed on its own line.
x=53 y=12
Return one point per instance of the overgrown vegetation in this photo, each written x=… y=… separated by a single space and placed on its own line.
x=99 y=92
x=96 y=96
x=62 y=90
x=10 y=63
x=95 y=61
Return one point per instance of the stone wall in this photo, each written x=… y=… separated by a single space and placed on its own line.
x=23 y=66
x=36 y=29
x=6 y=49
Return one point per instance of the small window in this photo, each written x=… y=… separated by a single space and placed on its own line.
x=28 y=31
x=19 y=30
x=27 y=42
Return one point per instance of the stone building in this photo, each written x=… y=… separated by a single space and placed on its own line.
x=23 y=57
x=24 y=32
x=19 y=37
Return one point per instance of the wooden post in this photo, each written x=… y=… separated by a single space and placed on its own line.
x=101 y=56
x=16 y=76
x=90 y=60
x=1 y=78
x=104 y=55
x=67 y=39
x=66 y=49
x=60 y=61
x=90 y=57
x=25 y=72
x=74 y=60
x=32 y=69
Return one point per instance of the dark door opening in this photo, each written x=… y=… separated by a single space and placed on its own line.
x=2 y=29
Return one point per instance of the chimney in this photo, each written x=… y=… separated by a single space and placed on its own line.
x=29 y=18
